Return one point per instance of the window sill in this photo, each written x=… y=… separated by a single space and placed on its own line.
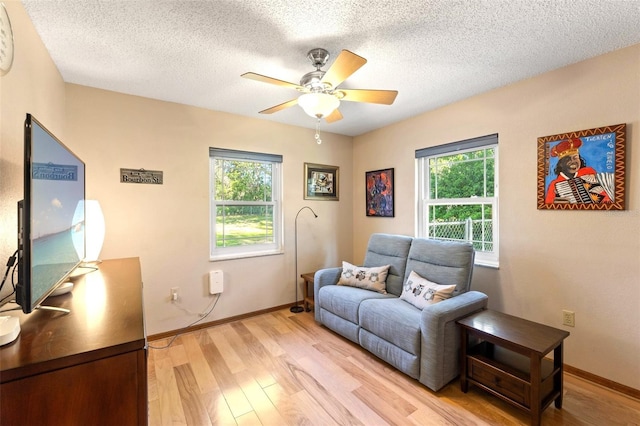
x=233 y=256
x=487 y=264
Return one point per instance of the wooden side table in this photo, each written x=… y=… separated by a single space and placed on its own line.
x=308 y=298
x=509 y=362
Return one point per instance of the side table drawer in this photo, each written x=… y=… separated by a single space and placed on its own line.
x=512 y=387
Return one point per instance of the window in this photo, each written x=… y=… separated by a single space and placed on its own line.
x=458 y=194
x=246 y=213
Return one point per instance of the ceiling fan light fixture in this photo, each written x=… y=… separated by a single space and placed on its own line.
x=318 y=105
x=320 y=96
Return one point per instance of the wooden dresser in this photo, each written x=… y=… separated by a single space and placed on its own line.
x=88 y=367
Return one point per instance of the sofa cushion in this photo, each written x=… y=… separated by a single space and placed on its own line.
x=344 y=302
x=387 y=249
x=404 y=361
x=339 y=325
x=421 y=292
x=373 y=278
x=443 y=262
x=393 y=320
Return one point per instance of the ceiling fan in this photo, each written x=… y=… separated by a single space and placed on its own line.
x=320 y=93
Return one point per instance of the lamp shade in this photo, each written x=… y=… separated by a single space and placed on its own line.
x=94 y=229
x=318 y=104
x=89 y=242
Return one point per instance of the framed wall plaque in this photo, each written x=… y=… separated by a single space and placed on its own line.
x=321 y=182
x=153 y=177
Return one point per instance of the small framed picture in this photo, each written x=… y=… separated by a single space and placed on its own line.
x=321 y=182
x=582 y=170
x=379 y=190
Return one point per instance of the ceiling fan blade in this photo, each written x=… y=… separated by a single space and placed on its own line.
x=280 y=107
x=345 y=64
x=334 y=116
x=385 y=97
x=271 y=80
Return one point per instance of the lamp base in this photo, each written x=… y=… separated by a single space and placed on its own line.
x=9 y=329
x=296 y=309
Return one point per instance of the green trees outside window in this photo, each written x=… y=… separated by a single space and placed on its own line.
x=246 y=216
x=243 y=193
x=459 y=198
x=469 y=175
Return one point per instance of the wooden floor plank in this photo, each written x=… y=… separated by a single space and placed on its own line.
x=155 y=415
x=171 y=411
x=427 y=417
x=383 y=407
x=583 y=401
x=265 y=339
x=323 y=366
x=369 y=380
x=217 y=408
x=294 y=409
x=152 y=382
x=262 y=405
x=284 y=375
x=329 y=399
x=177 y=353
x=313 y=411
x=194 y=410
x=229 y=355
x=283 y=368
x=235 y=398
x=264 y=367
x=249 y=419
x=198 y=363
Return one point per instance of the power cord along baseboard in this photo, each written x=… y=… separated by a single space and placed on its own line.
x=202 y=317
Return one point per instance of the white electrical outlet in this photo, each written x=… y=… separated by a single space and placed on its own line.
x=568 y=318
x=174 y=293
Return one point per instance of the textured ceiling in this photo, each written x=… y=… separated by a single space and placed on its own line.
x=434 y=52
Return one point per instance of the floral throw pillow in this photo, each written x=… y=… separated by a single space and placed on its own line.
x=421 y=292
x=374 y=279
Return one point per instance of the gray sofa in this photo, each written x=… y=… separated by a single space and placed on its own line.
x=423 y=344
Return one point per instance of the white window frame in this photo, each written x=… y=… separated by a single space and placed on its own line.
x=222 y=253
x=423 y=200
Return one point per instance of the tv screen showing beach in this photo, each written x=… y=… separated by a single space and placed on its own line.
x=57 y=212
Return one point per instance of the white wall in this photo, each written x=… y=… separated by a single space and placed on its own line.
x=167 y=225
x=584 y=261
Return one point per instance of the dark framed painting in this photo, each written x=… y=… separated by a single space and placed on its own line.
x=379 y=193
x=321 y=182
x=582 y=170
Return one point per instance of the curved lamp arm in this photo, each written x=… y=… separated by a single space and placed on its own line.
x=296 y=308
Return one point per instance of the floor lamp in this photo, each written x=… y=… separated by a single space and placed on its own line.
x=297 y=308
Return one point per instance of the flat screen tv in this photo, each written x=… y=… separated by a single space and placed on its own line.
x=51 y=217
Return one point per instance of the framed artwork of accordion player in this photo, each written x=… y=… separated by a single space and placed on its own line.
x=582 y=170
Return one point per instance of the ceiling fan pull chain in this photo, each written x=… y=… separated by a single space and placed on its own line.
x=318 y=132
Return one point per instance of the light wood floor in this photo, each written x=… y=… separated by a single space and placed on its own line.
x=284 y=369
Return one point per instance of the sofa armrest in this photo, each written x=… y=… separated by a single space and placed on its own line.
x=441 y=337
x=323 y=277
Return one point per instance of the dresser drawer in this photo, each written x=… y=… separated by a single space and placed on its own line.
x=508 y=385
